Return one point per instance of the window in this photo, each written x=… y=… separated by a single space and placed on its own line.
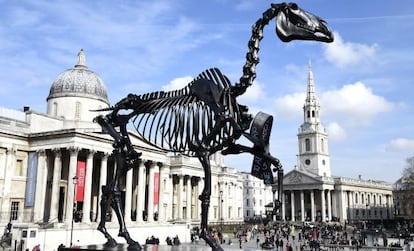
x=322 y=145
x=19 y=168
x=54 y=109
x=14 y=210
x=307 y=145
x=247 y=202
x=77 y=110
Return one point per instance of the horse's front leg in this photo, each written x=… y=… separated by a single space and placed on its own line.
x=116 y=202
x=205 y=203
x=105 y=203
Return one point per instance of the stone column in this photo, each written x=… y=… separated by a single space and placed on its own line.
x=128 y=196
x=86 y=210
x=57 y=168
x=292 y=205
x=312 y=196
x=151 y=194
x=102 y=181
x=302 y=206
x=351 y=200
x=39 y=206
x=180 y=197
x=329 y=205
x=323 y=210
x=141 y=191
x=188 y=199
x=73 y=161
x=283 y=205
x=161 y=189
x=10 y=163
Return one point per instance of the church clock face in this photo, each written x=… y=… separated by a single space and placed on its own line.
x=307 y=162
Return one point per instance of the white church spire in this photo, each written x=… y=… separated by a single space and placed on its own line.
x=311 y=108
x=313 y=154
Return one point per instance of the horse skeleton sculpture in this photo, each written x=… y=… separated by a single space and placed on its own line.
x=203 y=118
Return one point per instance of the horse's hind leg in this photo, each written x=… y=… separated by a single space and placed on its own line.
x=105 y=203
x=205 y=203
x=123 y=232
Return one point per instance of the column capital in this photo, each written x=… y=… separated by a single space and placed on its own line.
x=91 y=152
x=57 y=152
x=11 y=149
x=41 y=152
x=74 y=149
x=147 y=163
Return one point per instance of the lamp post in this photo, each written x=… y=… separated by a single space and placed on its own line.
x=221 y=210
x=75 y=181
x=221 y=216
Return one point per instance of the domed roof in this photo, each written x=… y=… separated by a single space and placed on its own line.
x=79 y=81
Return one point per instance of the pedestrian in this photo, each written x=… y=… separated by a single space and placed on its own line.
x=257 y=242
x=240 y=242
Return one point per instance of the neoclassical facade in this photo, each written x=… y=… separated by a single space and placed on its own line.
x=42 y=153
x=256 y=196
x=311 y=193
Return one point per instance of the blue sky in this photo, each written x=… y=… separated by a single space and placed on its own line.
x=364 y=80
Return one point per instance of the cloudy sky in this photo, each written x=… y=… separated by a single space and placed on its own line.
x=364 y=80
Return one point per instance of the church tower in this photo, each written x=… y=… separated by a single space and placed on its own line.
x=313 y=154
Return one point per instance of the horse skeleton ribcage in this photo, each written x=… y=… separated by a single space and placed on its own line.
x=179 y=120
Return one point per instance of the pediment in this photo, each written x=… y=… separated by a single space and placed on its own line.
x=297 y=177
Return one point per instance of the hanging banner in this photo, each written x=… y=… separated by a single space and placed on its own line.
x=80 y=186
x=156 y=187
x=31 y=179
x=260 y=135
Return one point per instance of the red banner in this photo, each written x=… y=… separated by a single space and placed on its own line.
x=156 y=187
x=80 y=186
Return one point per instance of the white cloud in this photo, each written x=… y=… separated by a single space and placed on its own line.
x=343 y=53
x=355 y=103
x=177 y=83
x=401 y=145
x=290 y=106
x=252 y=94
x=336 y=132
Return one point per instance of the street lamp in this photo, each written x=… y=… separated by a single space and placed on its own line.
x=75 y=181
x=221 y=217
x=221 y=209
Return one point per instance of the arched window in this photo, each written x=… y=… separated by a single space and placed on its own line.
x=308 y=113
x=322 y=145
x=307 y=145
x=313 y=114
x=77 y=110
x=54 y=109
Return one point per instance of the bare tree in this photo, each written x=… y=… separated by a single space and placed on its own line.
x=407 y=179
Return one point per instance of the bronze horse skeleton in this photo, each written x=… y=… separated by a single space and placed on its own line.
x=203 y=118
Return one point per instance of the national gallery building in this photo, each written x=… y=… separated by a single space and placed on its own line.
x=53 y=164
x=52 y=167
